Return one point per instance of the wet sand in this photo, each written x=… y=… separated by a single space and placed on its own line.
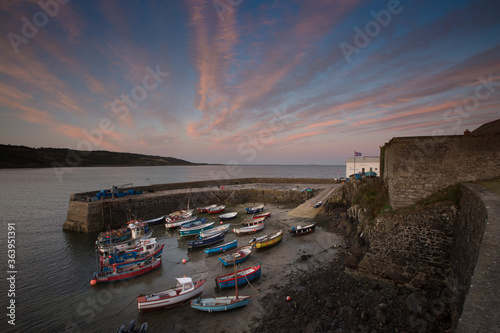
x=292 y=254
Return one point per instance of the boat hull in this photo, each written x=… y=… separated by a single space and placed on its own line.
x=244 y=276
x=302 y=230
x=206 y=241
x=144 y=305
x=132 y=273
x=268 y=241
x=195 y=230
x=222 y=248
x=220 y=304
x=236 y=256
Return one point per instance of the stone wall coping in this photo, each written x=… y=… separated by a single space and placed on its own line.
x=482 y=303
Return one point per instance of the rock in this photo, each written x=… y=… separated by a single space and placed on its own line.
x=416 y=303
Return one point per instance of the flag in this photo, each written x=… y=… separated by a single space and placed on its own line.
x=357 y=153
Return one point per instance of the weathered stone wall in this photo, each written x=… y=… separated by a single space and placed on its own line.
x=97 y=216
x=411 y=248
x=415 y=167
x=469 y=231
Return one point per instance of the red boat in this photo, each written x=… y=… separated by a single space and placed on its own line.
x=206 y=208
x=259 y=215
x=216 y=210
x=244 y=276
x=126 y=272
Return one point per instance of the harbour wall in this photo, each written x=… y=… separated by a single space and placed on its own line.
x=415 y=167
x=442 y=249
x=158 y=200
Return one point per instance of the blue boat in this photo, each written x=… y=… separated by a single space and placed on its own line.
x=256 y=209
x=222 y=248
x=212 y=239
x=243 y=276
x=155 y=221
x=236 y=256
x=194 y=223
x=219 y=304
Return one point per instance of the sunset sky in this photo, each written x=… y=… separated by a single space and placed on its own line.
x=245 y=81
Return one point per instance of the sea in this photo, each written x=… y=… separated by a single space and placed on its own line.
x=47 y=271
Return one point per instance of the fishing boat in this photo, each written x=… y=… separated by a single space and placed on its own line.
x=267 y=240
x=185 y=289
x=228 y=216
x=148 y=248
x=194 y=223
x=253 y=221
x=225 y=303
x=317 y=204
x=236 y=256
x=251 y=229
x=126 y=272
x=195 y=230
x=206 y=208
x=134 y=231
x=207 y=233
x=222 y=248
x=256 y=209
x=180 y=214
x=217 y=209
x=155 y=221
x=242 y=276
x=128 y=246
x=260 y=215
x=177 y=223
x=212 y=239
x=300 y=230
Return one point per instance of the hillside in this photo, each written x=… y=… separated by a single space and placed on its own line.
x=26 y=157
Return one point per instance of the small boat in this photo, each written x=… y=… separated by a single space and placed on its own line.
x=180 y=214
x=267 y=240
x=228 y=216
x=177 y=223
x=206 y=208
x=192 y=224
x=137 y=231
x=126 y=272
x=195 y=230
x=236 y=256
x=299 y=230
x=217 y=209
x=212 y=239
x=114 y=236
x=219 y=304
x=130 y=245
x=150 y=222
x=207 y=233
x=243 y=276
x=253 y=221
x=249 y=229
x=222 y=248
x=256 y=209
x=317 y=204
x=185 y=289
x=259 y=215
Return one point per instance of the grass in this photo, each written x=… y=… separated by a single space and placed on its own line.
x=492 y=184
x=373 y=195
x=451 y=194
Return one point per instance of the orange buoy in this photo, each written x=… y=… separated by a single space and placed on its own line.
x=220 y=222
x=183 y=261
x=93 y=282
x=288 y=298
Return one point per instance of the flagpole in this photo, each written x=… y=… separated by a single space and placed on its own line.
x=354 y=164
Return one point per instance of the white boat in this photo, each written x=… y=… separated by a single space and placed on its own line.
x=178 y=223
x=253 y=221
x=185 y=289
x=249 y=229
x=228 y=216
x=209 y=232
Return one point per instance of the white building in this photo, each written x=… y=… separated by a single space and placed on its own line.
x=362 y=163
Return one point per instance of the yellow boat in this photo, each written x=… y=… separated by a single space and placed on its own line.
x=267 y=240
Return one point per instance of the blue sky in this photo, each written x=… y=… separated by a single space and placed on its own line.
x=245 y=81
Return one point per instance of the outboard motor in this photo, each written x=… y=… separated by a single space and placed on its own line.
x=131 y=326
x=144 y=328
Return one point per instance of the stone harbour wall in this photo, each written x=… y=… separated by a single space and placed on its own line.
x=415 y=167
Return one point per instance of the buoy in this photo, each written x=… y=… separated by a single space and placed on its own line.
x=220 y=222
x=183 y=261
x=288 y=298
x=93 y=282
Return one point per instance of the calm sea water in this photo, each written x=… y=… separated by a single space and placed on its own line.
x=53 y=267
